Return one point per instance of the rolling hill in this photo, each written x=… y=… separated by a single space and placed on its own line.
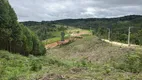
x=118 y=26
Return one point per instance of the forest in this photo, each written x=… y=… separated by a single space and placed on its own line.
x=14 y=36
x=118 y=27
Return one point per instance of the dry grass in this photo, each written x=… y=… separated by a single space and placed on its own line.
x=89 y=59
x=89 y=48
x=85 y=59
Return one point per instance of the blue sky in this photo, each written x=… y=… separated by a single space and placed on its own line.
x=38 y=10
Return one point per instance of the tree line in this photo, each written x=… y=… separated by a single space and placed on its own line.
x=118 y=26
x=14 y=36
x=45 y=29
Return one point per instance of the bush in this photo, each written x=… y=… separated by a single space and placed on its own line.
x=78 y=32
x=35 y=63
x=131 y=63
x=35 y=66
x=18 y=67
x=12 y=65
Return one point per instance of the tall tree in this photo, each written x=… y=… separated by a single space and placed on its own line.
x=15 y=37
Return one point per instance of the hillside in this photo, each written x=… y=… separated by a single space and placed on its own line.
x=88 y=58
x=118 y=27
x=91 y=58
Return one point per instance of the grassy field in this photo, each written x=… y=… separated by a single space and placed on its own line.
x=68 y=33
x=86 y=59
x=55 y=39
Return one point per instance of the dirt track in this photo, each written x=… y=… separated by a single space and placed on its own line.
x=52 y=45
x=121 y=44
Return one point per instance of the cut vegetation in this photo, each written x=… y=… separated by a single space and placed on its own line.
x=88 y=58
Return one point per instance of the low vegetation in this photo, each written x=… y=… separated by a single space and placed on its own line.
x=131 y=62
x=88 y=58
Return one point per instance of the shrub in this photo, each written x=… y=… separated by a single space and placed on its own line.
x=12 y=65
x=35 y=66
x=131 y=63
x=78 y=32
x=35 y=63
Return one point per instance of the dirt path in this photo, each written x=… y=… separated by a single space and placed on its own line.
x=52 y=45
x=122 y=44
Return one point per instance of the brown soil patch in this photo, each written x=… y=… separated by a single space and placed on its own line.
x=73 y=38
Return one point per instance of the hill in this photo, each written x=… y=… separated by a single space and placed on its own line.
x=118 y=26
x=89 y=58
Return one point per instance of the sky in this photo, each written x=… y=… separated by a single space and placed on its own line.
x=49 y=10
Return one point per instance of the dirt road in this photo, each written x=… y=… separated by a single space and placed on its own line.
x=121 y=44
x=52 y=45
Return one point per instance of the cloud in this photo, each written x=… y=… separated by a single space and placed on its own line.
x=38 y=10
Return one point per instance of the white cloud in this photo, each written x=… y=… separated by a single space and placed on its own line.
x=38 y=10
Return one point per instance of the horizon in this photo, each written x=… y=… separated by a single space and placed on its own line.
x=52 y=10
x=82 y=18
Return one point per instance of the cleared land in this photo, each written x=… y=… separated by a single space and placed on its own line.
x=87 y=59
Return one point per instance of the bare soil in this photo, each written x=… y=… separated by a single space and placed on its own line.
x=52 y=45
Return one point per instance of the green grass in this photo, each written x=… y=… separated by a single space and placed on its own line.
x=51 y=40
x=88 y=58
x=57 y=36
x=55 y=39
x=17 y=67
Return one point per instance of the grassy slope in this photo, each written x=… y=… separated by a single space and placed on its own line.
x=17 y=67
x=89 y=59
x=84 y=59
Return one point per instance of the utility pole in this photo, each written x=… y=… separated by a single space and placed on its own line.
x=109 y=34
x=90 y=28
x=129 y=35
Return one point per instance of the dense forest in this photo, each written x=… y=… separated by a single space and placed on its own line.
x=118 y=26
x=15 y=37
x=44 y=29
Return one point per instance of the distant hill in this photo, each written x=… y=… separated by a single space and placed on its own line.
x=119 y=26
x=93 y=22
x=73 y=21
